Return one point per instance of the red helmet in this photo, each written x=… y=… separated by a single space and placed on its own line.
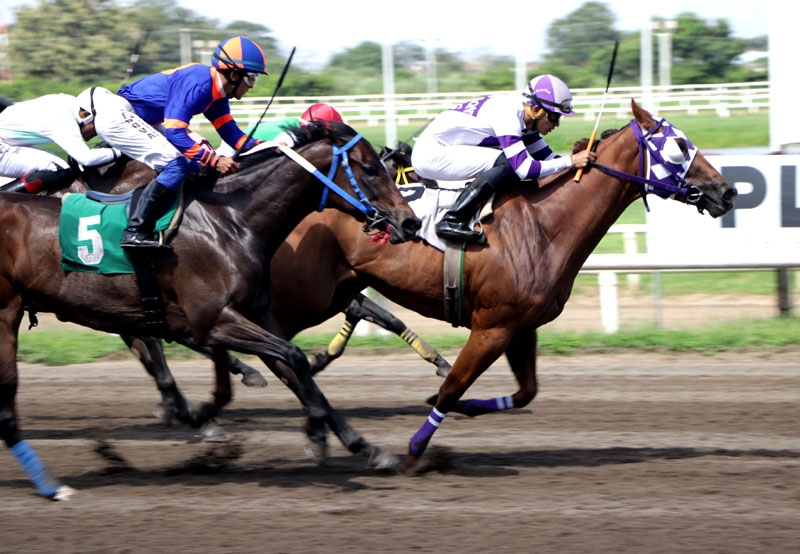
x=320 y=112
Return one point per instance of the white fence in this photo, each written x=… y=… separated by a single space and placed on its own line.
x=418 y=108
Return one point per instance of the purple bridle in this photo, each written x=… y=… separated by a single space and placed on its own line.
x=664 y=178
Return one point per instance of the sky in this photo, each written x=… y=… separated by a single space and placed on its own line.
x=320 y=28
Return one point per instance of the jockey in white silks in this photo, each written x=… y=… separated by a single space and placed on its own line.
x=54 y=118
x=462 y=143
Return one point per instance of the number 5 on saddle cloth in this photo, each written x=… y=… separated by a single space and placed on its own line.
x=89 y=231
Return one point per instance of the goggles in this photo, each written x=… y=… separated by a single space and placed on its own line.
x=250 y=78
x=565 y=106
x=553 y=116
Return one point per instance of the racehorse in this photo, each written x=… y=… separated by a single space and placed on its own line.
x=214 y=280
x=538 y=240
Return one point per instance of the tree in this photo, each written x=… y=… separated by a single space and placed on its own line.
x=68 y=40
x=573 y=38
x=703 y=53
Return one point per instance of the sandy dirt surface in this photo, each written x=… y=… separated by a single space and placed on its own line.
x=633 y=453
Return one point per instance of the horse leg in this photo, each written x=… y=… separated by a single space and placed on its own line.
x=27 y=457
x=251 y=377
x=151 y=354
x=235 y=332
x=223 y=394
x=363 y=308
x=521 y=355
x=481 y=350
x=377 y=457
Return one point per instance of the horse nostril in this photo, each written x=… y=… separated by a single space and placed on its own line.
x=730 y=195
x=411 y=225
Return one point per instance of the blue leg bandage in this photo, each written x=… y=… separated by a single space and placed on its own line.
x=33 y=466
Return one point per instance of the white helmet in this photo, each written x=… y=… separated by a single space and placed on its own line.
x=549 y=92
x=85 y=102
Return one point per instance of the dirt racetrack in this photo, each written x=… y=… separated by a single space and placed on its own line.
x=634 y=453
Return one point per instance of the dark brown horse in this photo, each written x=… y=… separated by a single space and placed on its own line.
x=215 y=281
x=538 y=240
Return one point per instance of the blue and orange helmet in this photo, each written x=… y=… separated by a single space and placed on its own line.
x=239 y=54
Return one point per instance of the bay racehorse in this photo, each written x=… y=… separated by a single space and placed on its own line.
x=215 y=280
x=538 y=240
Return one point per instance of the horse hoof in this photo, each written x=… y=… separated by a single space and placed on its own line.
x=165 y=415
x=442 y=371
x=64 y=493
x=254 y=379
x=409 y=463
x=383 y=460
x=317 y=453
x=211 y=432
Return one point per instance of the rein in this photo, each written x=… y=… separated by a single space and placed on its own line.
x=679 y=187
x=361 y=203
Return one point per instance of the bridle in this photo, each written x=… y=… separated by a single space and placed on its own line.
x=362 y=204
x=667 y=181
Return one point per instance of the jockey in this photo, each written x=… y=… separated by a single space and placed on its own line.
x=275 y=130
x=461 y=143
x=148 y=120
x=54 y=118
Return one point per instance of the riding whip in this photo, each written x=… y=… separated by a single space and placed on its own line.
x=592 y=144
x=277 y=86
x=135 y=56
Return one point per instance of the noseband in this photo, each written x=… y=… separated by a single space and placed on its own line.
x=361 y=203
x=670 y=185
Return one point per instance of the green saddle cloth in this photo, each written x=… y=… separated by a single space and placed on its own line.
x=89 y=233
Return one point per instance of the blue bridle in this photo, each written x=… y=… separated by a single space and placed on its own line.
x=340 y=152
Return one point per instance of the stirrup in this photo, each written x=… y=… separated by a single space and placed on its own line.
x=460 y=233
x=138 y=240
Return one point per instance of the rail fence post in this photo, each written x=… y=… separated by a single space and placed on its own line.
x=609 y=300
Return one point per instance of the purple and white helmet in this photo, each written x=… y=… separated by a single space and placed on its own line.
x=549 y=92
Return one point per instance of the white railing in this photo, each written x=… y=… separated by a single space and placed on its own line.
x=418 y=108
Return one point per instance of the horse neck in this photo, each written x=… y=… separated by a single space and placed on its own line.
x=574 y=217
x=284 y=195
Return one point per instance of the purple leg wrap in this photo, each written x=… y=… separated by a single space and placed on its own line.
x=33 y=466
x=420 y=439
x=475 y=407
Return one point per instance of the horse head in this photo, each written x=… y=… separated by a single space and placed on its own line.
x=356 y=168
x=668 y=158
x=398 y=161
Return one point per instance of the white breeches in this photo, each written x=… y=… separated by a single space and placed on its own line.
x=18 y=161
x=433 y=160
x=118 y=125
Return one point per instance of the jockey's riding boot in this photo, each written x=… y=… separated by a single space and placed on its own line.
x=457 y=222
x=41 y=180
x=139 y=233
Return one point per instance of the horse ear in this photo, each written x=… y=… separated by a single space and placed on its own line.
x=641 y=115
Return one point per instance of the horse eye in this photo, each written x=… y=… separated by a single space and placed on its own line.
x=683 y=146
x=370 y=169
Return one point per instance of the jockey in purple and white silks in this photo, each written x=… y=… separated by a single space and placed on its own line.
x=462 y=143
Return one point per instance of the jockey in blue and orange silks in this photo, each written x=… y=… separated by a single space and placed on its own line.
x=148 y=120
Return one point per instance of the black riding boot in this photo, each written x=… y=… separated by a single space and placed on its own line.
x=152 y=202
x=41 y=180
x=457 y=222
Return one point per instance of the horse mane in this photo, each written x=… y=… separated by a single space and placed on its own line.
x=581 y=144
x=313 y=132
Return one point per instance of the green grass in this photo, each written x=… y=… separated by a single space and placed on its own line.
x=56 y=348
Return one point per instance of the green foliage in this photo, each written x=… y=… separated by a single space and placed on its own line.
x=79 y=347
x=703 y=52
x=573 y=38
x=66 y=45
x=68 y=39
